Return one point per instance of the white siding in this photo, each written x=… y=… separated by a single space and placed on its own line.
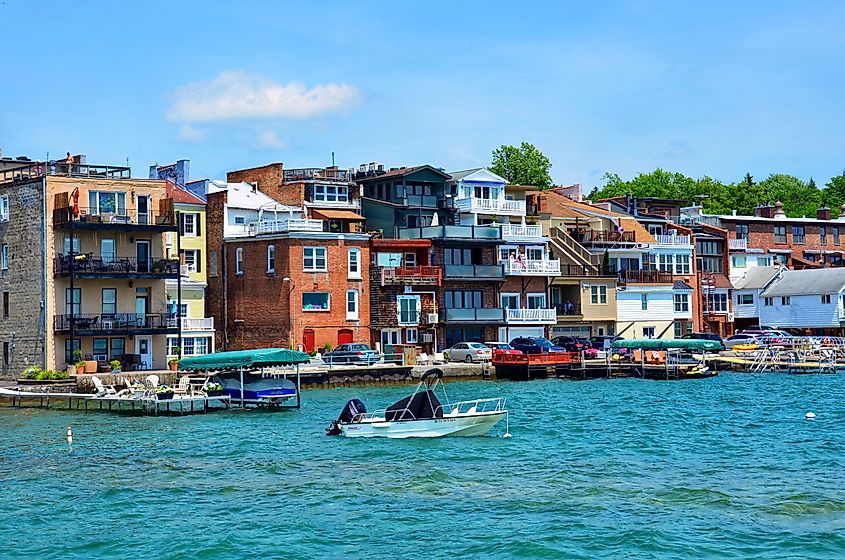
x=803 y=311
x=660 y=304
x=749 y=310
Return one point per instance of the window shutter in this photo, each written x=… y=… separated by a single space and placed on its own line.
x=199 y=260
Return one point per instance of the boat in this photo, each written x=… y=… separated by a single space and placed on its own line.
x=258 y=388
x=657 y=358
x=421 y=415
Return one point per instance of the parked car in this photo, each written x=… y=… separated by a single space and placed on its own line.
x=571 y=343
x=705 y=336
x=598 y=342
x=351 y=353
x=468 y=352
x=740 y=338
x=535 y=345
x=502 y=347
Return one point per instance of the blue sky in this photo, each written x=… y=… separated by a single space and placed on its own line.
x=715 y=88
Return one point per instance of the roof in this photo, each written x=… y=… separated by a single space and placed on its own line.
x=756 y=278
x=182 y=196
x=721 y=281
x=807 y=282
x=561 y=206
x=338 y=214
x=246 y=196
x=403 y=171
x=246 y=359
x=399 y=243
x=681 y=285
x=458 y=175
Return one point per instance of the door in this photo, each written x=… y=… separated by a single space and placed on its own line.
x=142 y=253
x=308 y=340
x=144 y=349
x=143 y=210
x=344 y=336
x=141 y=310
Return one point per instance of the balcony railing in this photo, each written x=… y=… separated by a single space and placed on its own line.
x=516 y=232
x=264 y=227
x=200 y=324
x=737 y=244
x=474 y=272
x=568 y=309
x=578 y=270
x=493 y=315
x=116 y=323
x=644 y=277
x=411 y=275
x=604 y=236
x=672 y=239
x=88 y=218
x=491 y=206
x=33 y=170
x=453 y=233
x=531 y=316
x=317 y=173
x=532 y=267
x=92 y=265
x=428 y=201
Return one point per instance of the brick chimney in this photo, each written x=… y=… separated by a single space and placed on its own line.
x=823 y=213
x=764 y=211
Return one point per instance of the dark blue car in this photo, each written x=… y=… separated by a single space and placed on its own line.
x=535 y=345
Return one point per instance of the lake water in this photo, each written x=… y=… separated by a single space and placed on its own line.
x=714 y=468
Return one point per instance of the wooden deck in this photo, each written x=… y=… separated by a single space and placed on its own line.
x=144 y=404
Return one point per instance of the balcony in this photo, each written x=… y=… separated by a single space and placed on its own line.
x=473 y=315
x=579 y=271
x=89 y=265
x=417 y=200
x=411 y=276
x=317 y=174
x=516 y=232
x=453 y=233
x=737 y=244
x=475 y=205
x=267 y=227
x=116 y=324
x=531 y=267
x=568 y=309
x=33 y=170
x=484 y=272
x=644 y=277
x=672 y=239
x=531 y=316
x=603 y=237
x=122 y=219
x=201 y=324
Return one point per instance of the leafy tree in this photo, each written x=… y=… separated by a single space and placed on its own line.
x=525 y=165
x=834 y=193
x=798 y=198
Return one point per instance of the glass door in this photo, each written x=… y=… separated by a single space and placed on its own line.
x=143 y=210
x=142 y=252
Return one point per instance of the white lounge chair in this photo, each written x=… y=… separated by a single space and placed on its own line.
x=439 y=358
x=151 y=381
x=183 y=387
x=423 y=359
x=102 y=389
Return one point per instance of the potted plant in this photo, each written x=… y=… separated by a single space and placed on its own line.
x=213 y=389
x=80 y=367
x=163 y=392
x=115 y=366
x=174 y=361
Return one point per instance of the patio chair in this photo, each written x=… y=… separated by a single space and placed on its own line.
x=103 y=390
x=439 y=358
x=423 y=359
x=151 y=381
x=183 y=387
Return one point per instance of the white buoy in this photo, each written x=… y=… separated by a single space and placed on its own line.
x=810 y=416
x=69 y=435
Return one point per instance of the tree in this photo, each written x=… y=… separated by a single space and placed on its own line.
x=798 y=198
x=833 y=193
x=525 y=165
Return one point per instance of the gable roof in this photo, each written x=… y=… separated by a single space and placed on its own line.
x=404 y=172
x=247 y=197
x=182 y=196
x=561 y=206
x=478 y=174
x=807 y=282
x=756 y=278
x=681 y=285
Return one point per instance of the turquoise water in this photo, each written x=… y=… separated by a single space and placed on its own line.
x=713 y=468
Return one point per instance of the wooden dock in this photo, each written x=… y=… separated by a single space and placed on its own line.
x=179 y=404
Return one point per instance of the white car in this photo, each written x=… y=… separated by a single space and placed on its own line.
x=469 y=352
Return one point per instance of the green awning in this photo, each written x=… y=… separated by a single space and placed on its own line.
x=246 y=359
x=668 y=344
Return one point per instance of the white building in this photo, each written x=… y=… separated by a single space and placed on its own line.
x=645 y=310
x=746 y=295
x=249 y=211
x=805 y=299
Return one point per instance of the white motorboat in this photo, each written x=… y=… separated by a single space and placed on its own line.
x=421 y=415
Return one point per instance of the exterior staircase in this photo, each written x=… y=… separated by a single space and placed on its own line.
x=571 y=250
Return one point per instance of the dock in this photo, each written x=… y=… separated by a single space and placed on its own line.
x=143 y=404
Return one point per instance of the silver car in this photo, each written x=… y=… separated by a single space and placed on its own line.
x=469 y=352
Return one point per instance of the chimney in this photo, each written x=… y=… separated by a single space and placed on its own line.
x=765 y=211
x=823 y=213
x=779 y=214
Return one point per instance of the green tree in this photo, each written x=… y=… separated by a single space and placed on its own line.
x=798 y=198
x=525 y=165
x=833 y=193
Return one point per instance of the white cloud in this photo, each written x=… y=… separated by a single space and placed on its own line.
x=268 y=140
x=192 y=133
x=239 y=95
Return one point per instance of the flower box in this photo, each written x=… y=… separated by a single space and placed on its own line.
x=164 y=396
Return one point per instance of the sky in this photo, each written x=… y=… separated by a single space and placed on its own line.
x=704 y=88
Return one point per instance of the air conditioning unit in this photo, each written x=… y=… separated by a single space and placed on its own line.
x=730 y=317
x=427 y=337
x=431 y=318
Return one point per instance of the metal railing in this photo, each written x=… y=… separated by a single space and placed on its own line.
x=738 y=244
x=263 y=227
x=119 y=216
x=495 y=315
x=91 y=264
x=604 y=236
x=474 y=271
x=577 y=270
x=672 y=239
x=645 y=277
x=424 y=275
x=33 y=170
x=517 y=231
x=108 y=323
x=571 y=244
x=568 y=308
x=523 y=315
x=468 y=233
x=316 y=173
x=532 y=267
x=491 y=205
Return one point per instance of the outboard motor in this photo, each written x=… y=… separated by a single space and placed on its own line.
x=350 y=410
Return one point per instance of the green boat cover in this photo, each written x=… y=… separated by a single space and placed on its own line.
x=668 y=344
x=247 y=359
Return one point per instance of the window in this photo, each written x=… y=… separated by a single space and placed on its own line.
x=798 y=234
x=534 y=253
x=509 y=301
x=825 y=299
x=785 y=300
x=190 y=224
x=109 y=300
x=410 y=259
x=682 y=264
x=212 y=264
x=742 y=231
x=5 y=305
x=68 y=352
x=314 y=259
x=598 y=295
x=354 y=263
x=389 y=337
x=834 y=230
x=118 y=349
x=331 y=193
x=768 y=302
x=738 y=261
x=463 y=299
x=4 y=208
x=271 y=258
x=315 y=301
x=745 y=299
x=108 y=250
x=409 y=310
x=191 y=258
x=823 y=235
x=536 y=301
x=239 y=260
x=351 y=305
x=665 y=263
x=106 y=203
x=644 y=302
x=191 y=345
x=681 y=303
x=719 y=303
x=4 y=257
x=764 y=261
x=77 y=301
x=411 y=336
x=648 y=332
x=707 y=248
x=75 y=245
x=240 y=220
x=780 y=234
x=460 y=256
x=711 y=264
x=389 y=259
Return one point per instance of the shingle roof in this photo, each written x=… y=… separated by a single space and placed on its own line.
x=681 y=285
x=807 y=282
x=458 y=175
x=756 y=277
x=182 y=196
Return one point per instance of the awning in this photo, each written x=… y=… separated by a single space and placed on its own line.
x=246 y=359
x=337 y=215
x=666 y=344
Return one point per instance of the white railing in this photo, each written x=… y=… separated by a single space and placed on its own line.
x=738 y=244
x=516 y=231
x=491 y=206
x=531 y=267
x=672 y=239
x=203 y=324
x=283 y=226
x=531 y=316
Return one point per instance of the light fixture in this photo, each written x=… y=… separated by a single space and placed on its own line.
x=286 y=279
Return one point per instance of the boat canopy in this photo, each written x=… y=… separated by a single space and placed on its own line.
x=420 y=405
x=246 y=359
x=668 y=344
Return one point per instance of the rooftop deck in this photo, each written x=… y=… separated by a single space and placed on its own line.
x=29 y=171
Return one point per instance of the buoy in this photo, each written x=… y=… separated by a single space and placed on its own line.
x=69 y=435
x=810 y=416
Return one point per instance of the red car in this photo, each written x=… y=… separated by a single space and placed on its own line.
x=502 y=348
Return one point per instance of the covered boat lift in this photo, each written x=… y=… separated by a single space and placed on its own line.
x=666 y=364
x=242 y=361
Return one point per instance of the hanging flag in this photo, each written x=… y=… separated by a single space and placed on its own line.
x=75 y=196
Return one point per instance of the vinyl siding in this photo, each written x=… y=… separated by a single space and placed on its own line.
x=804 y=311
x=660 y=304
